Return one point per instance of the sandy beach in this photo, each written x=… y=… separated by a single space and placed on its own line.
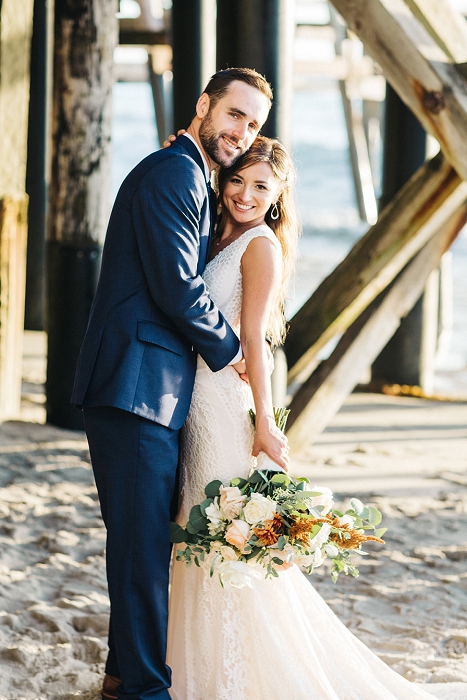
x=408 y=456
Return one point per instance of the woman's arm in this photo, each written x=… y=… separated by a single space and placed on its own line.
x=261 y=272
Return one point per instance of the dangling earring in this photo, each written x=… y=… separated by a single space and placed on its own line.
x=275 y=212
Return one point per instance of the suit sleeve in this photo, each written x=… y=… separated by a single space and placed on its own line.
x=166 y=215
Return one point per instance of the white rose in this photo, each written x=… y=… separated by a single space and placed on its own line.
x=315 y=559
x=322 y=536
x=346 y=520
x=231 y=501
x=325 y=499
x=237 y=574
x=319 y=556
x=331 y=550
x=228 y=554
x=258 y=509
x=214 y=513
x=238 y=534
x=304 y=560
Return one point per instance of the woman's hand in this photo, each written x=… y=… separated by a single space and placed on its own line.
x=240 y=367
x=170 y=139
x=269 y=439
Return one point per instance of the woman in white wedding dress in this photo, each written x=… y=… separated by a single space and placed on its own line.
x=277 y=640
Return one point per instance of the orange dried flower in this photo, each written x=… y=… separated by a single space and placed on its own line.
x=276 y=522
x=301 y=528
x=267 y=535
x=356 y=539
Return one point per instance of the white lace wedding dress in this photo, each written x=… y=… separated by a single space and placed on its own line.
x=278 y=640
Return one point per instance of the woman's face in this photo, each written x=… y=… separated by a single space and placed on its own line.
x=249 y=193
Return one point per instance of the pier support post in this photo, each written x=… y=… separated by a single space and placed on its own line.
x=259 y=34
x=408 y=358
x=194 y=55
x=37 y=173
x=85 y=36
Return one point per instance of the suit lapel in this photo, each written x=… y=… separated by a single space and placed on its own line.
x=188 y=145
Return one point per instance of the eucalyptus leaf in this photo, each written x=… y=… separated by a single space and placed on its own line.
x=380 y=532
x=212 y=489
x=277 y=561
x=197 y=519
x=192 y=529
x=281 y=543
x=310 y=494
x=205 y=504
x=365 y=514
x=280 y=479
x=375 y=516
x=177 y=533
x=255 y=478
x=240 y=483
x=357 y=505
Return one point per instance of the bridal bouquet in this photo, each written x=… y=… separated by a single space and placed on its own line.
x=255 y=527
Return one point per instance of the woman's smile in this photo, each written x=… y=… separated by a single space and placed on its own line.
x=249 y=194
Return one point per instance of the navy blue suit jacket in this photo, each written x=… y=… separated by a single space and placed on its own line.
x=152 y=315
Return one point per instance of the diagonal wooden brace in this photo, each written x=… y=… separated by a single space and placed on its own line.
x=321 y=396
x=429 y=199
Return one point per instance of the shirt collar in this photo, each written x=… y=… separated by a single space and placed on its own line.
x=207 y=171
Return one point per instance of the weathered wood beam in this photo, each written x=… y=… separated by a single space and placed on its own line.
x=15 y=41
x=446 y=26
x=417 y=68
x=13 y=238
x=420 y=208
x=321 y=396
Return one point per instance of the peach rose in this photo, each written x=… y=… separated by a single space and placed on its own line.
x=231 y=501
x=238 y=534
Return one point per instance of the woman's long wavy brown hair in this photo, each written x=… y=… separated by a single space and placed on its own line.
x=285 y=227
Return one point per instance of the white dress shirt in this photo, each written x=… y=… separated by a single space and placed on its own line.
x=207 y=173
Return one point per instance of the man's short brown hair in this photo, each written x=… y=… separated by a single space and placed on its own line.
x=220 y=81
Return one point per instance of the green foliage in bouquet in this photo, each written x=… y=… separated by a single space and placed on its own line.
x=260 y=525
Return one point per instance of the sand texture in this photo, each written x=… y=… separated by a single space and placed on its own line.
x=409 y=604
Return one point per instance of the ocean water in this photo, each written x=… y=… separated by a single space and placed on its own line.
x=324 y=195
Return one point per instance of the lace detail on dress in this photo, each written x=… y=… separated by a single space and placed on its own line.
x=278 y=640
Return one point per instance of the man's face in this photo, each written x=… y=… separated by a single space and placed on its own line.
x=231 y=126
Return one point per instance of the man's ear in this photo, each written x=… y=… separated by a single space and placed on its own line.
x=202 y=106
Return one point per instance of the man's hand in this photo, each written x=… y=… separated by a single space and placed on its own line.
x=240 y=367
x=170 y=139
x=269 y=439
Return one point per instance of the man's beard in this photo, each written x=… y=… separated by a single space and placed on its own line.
x=210 y=140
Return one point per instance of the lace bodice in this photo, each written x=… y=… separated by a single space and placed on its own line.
x=217 y=436
x=223 y=277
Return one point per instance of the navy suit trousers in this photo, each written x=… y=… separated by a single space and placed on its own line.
x=135 y=467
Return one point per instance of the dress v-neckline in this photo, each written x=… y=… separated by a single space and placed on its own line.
x=233 y=242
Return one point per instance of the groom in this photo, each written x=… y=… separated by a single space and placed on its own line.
x=150 y=319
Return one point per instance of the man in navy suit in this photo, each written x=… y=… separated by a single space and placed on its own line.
x=150 y=318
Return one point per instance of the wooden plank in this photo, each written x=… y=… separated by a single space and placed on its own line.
x=444 y=24
x=358 y=146
x=15 y=40
x=13 y=237
x=417 y=69
x=420 y=208
x=321 y=396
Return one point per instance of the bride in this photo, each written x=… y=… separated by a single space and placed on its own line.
x=277 y=640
